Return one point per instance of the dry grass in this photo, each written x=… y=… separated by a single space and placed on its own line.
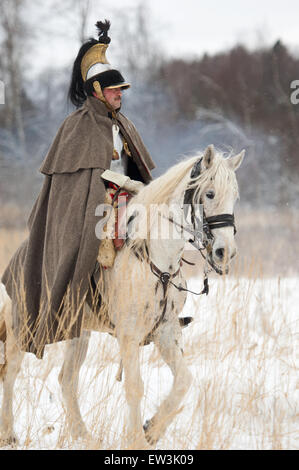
x=267 y=244
x=10 y=240
x=241 y=350
x=13 y=231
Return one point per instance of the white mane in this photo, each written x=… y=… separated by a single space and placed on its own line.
x=171 y=186
x=162 y=189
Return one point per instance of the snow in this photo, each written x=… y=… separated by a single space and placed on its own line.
x=242 y=350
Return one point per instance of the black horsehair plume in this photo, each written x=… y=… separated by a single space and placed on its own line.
x=77 y=91
x=103 y=29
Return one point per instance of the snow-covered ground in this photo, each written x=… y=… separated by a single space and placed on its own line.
x=242 y=350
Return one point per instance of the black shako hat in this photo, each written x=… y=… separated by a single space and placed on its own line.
x=91 y=71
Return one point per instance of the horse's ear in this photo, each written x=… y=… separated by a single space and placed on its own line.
x=208 y=157
x=235 y=161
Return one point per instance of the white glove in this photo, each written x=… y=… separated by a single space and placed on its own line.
x=115 y=178
x=123 y=181
x=133 y=186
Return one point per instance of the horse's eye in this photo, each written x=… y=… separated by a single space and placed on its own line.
x=210 y=194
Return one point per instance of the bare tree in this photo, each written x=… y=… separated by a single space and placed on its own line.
x=74 y=13
x=83 y=7
x=139 y=51
x=13 y=42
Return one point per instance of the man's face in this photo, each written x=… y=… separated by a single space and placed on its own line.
x=113 y=96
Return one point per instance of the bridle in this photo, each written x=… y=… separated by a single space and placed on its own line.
x=203 y=226
x=208 y=223
x=202 y=239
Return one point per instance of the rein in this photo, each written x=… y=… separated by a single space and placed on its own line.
x=166 y=278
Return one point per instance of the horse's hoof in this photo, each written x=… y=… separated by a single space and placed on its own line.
x=137 y=441
x=147 y=427
x=80 y=432
x=6 y=441
x=184 y=321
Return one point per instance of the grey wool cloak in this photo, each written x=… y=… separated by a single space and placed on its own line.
x=49 y=276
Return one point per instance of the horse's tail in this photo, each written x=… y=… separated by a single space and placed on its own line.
x=4 y=299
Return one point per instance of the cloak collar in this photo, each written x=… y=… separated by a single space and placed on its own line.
x=100 y=108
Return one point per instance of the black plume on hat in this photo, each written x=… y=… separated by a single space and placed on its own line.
x=77 y=92
x=103 y=29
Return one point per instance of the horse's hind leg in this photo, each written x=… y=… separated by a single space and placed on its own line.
x=75 y=354
x=168 y=343
x=13 y=360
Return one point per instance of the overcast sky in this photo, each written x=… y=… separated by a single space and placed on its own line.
x=196 y=26
x=190 y=27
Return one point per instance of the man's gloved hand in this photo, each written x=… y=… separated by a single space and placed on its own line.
x=133 y=186
x=123 y=181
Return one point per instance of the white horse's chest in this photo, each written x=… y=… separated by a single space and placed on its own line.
x=140 y=302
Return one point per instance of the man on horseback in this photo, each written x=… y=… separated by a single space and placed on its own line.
x=50 y=276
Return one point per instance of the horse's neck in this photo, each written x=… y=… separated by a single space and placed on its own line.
x=165 y=246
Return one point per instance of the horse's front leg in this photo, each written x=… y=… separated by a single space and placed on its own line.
x=168 y=343
x=75 y=354
x=129 y=350
x=14 y=360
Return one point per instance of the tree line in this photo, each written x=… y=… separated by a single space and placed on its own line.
x=252 y=87
x=235 y=99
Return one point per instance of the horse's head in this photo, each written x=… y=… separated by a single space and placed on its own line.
x=214 y=186
x=207 y=183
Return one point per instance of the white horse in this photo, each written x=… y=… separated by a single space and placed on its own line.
x=144 y=293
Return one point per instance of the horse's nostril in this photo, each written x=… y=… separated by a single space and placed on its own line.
x=219 y=253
